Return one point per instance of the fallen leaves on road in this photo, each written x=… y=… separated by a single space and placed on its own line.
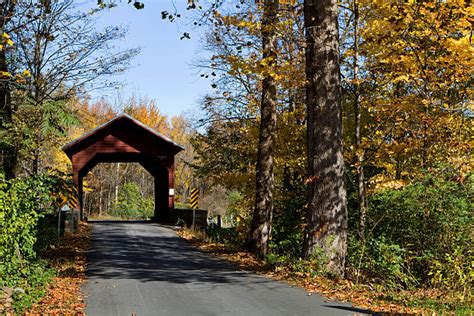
x=361 y=296
x=67 y=258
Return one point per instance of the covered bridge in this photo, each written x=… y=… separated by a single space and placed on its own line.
x=124 y=139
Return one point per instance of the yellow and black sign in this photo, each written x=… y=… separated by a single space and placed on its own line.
x=194 y=198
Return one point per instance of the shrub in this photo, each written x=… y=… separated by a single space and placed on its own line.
x=31 y=286
x=288 y=221
x=223 y=235
x=132 y=204
x=419 y=234
x=22 y=203
x=381 y=262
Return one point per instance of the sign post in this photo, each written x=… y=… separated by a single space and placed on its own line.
x=194 y=202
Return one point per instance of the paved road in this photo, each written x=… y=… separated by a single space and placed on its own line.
x=145 y=269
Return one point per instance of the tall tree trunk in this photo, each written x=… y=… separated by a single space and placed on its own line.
x=362 y=195
x=326 y=227
x=262 y=217
x=10 y=152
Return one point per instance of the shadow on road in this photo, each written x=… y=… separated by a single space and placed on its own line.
x=357 y=311
x=146 y=252
x=119 y=221
x=143 y=268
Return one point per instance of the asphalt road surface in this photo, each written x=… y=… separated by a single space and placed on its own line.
x=145 y=269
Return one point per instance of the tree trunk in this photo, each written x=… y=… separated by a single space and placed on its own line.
x=362 y=196
x=327 y=210
x=35 y=163
x=107 y=211
x=10 y=152
x=117 y=179
x=100 y=199
x=262 y=218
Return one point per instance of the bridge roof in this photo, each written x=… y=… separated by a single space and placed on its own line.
x=124 y=122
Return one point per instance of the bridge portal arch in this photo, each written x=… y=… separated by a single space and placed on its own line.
x=125 y=139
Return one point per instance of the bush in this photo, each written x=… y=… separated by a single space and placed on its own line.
x=313 y=266
x=222 y=235
x=31 y=286
x=381 y=262
x=288 y=222
x=22 y=203
x=132 y=204
x=419 y=234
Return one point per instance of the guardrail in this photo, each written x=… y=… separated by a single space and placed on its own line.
x=186 y=215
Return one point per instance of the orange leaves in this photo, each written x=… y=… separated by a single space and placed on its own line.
x=62 y=298
x=147 y=112
x=68 y=259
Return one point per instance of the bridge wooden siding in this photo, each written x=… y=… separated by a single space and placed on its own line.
x=124 y=139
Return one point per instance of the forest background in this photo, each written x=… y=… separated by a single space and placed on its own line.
x=407 y=112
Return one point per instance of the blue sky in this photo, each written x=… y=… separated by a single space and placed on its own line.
x=163 y=70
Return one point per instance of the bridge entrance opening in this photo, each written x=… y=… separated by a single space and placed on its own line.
x=124 y=140
x=119 y=191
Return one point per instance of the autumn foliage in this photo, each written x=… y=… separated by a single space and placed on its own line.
x=406 y=70
x=406 y=95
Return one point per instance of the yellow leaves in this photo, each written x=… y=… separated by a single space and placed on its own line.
x=6 y=40
x=288 y=74
x=26 y=73
x=250 y=23
x=239 y=22
x=19 y=78
x=462 y=48
x=287 y=2
x=5 y=75
x=384 y=181
x=401 y=78
x=290 y=2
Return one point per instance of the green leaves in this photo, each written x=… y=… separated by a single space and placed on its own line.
x=21 y=204
x=418 y=234
x=132 y=204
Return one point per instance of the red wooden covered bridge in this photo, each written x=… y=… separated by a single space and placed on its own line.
x=124 y=139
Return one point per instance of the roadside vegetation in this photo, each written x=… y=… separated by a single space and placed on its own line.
x=37 y=263
x=336 y=147
x=406 y=97
x=417 y=257
x=51 y=55
x=46 y=73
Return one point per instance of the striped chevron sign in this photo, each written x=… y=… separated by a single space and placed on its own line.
x=194 y=198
